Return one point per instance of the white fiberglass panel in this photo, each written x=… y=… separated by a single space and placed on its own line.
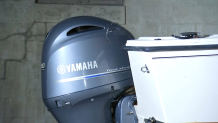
x=148 y=98
x=188 y=87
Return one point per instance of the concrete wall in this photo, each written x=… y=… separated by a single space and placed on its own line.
x=166 y=17
x=24 y=24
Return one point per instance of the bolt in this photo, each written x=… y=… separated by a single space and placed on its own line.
x=92 y=99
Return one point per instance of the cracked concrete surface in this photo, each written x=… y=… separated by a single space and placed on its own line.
x=24 y=24
x=20 y=86
x=12 y=47
x=58 y=12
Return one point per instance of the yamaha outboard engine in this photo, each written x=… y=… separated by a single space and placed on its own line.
x=84 y=68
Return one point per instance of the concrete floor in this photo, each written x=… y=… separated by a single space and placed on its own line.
x=24 y=24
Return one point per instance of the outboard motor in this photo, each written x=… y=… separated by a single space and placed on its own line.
x=84 y=69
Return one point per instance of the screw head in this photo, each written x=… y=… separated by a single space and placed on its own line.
x=92 y=99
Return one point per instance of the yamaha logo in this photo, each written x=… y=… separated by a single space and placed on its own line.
x=77 y=67
x=61 y=69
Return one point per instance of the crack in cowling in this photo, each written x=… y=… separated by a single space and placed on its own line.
x=108 y=31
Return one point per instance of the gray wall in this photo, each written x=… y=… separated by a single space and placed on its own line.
x=23 y=26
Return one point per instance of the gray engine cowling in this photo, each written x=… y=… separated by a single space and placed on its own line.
x=84 y=68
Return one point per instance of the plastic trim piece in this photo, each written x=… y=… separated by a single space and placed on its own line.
x=170 y=48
